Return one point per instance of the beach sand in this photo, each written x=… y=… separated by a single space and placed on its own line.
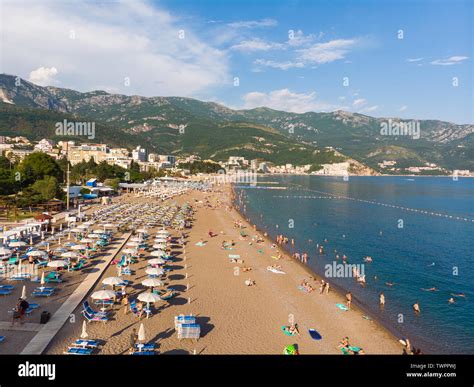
x=234 y=318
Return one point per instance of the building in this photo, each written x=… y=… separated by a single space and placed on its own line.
x=167 y=159
x=119 y=152
x=3 y=140
x=84 y=152
x=45 y=145
x=17 y=154
x=139 y=154
x=91 y=183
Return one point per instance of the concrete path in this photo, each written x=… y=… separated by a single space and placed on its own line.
x=39 y=343
x=26 y=327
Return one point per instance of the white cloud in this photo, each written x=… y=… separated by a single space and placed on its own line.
x=43 y=76
x=411 y=60
x=124 y=39
x=286 y=100
x=369 y=109
x=403 y=108
x=450 y=61
x=359 y=102
x=327 y=52
x=256 y=44
x=279 y=65
x=298 y=38
x=254 y=23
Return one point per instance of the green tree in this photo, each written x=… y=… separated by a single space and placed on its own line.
x=36 y=166
x=47 y=188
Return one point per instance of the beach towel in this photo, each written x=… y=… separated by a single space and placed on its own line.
x=290 y=350
x=201 y=244
x=286 y=332
x=315 y=335
x=342 y=307
x=275 y=257
x=276 y=271
x=234 y=256
x=303 y=289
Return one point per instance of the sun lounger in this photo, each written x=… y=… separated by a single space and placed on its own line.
x=144 y=353
x=91 y=311
x=86 y=343
x=7 y=287
x=78 y=351
x=42 y=293
x=145 y=347
x=183 y=319
x=189 y=331
x=5 y=292
x=2 y=339
x=90 y=318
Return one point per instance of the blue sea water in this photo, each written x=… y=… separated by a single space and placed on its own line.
x=383 y=217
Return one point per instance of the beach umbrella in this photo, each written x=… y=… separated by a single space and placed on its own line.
x=60 y=249
x=157 y=253
x=98 y=231
x=84 y=334
x=57 y=263
x=103 y=295
x=149 y=298
x=23 y=292
x=78 y=247
x=154 y=271
x=36 y=253
x=112 y=281
x=141 y=333
x=17 y=244
x=156 y=261
x=69 y=254
x=5 y=251
x=142 y=230
x=108 y=225
x=77 y=229
x=87 y=240
x=136 y=239
x=93 y=236
x=152 y=282
x=83 y=226
x=159 y=246
x=132 y=244
x=130 y=251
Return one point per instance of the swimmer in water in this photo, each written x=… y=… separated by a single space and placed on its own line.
x=416 y=307
x=433 y=289
x=451 y=300
x=389 y=284
x=458 y=295
x=431 y=264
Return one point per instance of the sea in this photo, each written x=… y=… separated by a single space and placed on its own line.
x=419 y=232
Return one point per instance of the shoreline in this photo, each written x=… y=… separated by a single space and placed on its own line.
x=335 y=288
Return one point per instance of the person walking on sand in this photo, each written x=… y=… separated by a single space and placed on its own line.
x=133 y=340
x=382 y=300
x=349 y=299
x=321 y=287
x=326 y=288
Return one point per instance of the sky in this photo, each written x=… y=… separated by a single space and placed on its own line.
x=409 y=59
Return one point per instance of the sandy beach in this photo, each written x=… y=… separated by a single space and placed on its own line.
x=234 y=318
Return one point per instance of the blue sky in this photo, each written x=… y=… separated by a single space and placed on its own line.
x=290 y=55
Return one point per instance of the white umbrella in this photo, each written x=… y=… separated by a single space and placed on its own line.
x=23 y=292
x=156 y=261
x=78 y=247
x=132 y=244
x=4 y=251
x=84 y=334
x=160 y=240
x=149 y=297
x=17 y=244
x=36 y=253
x=113 y=281
x=103 y=295
x=87 y=240
x=130 y=251
x=93 y=236
x=70 y=254
x=98 y=231
x=154 y=271
x=152 y=282
x=108 y=225
x=163 y=232
x=57 y=263
x=83 y=226
x=77 y=229
x=142 y=230
x=141 y=333
x=136 y=239
x=157 y=253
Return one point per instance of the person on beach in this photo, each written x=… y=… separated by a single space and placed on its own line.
x=125 y=302
x=382 y=300
x=416 y=308
x=133 y=340
x=326 y=288
x=322 y=286
x=250 y=282
x=349 y=299
x=20 y=310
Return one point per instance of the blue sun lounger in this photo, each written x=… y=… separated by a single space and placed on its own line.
x=144 y=353
x=90 y=318
x=79 y=351
x=5 y=292
x=91 y=311
x=7 y=287
x=46 y=292
x=86 y=343
x=2 y=339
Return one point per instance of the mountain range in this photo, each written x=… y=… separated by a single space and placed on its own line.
x=189 y=126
